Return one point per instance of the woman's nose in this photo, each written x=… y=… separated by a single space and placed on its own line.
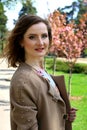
x=40 y=41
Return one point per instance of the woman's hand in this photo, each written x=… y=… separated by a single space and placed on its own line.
x=72 y=114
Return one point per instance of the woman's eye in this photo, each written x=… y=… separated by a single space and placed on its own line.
x=31 y=37
x=44 y=36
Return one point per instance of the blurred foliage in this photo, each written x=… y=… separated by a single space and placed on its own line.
x=3 y=21
x=27 y=8
x=77 y=6
x=11 y=3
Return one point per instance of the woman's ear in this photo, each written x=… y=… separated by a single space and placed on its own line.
x=21 y=43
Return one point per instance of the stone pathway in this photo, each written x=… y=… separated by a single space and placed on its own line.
x=5 y=76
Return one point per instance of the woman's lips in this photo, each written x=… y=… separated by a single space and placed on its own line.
x=39 y=49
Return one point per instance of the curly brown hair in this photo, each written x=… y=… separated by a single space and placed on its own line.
x=14 y=52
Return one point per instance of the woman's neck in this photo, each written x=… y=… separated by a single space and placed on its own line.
x=37 y=64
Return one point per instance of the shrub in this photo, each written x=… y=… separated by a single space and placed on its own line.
x=63 y=66
x=80 y=68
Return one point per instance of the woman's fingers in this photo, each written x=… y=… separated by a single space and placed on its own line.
x=72 y=114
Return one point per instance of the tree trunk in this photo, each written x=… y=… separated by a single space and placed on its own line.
x=69 y=82
x=54 y=64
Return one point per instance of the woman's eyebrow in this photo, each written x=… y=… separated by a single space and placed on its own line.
x=35 y=34
x=30 y=34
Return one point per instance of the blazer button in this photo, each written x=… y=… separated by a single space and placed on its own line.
x=65 y=116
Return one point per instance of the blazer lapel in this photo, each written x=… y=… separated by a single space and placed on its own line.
x=54 y=92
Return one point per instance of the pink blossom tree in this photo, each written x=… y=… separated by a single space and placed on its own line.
x=67 y=40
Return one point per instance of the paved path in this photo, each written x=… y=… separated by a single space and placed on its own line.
x=5 y=76
x=79 y=60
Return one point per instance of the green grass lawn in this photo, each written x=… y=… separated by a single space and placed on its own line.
x=78 y=98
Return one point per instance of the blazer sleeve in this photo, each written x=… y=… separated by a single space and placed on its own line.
x=23 y=98
x=60 y=82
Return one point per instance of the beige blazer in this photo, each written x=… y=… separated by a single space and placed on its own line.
x=35 y=105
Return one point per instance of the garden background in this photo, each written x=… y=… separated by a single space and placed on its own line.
x=69 y=30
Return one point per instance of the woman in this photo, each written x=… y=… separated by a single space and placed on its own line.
x=38 y=101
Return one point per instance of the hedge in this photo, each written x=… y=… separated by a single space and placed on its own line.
x=63 y=66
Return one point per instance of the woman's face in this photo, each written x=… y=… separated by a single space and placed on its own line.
x=36 y=41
